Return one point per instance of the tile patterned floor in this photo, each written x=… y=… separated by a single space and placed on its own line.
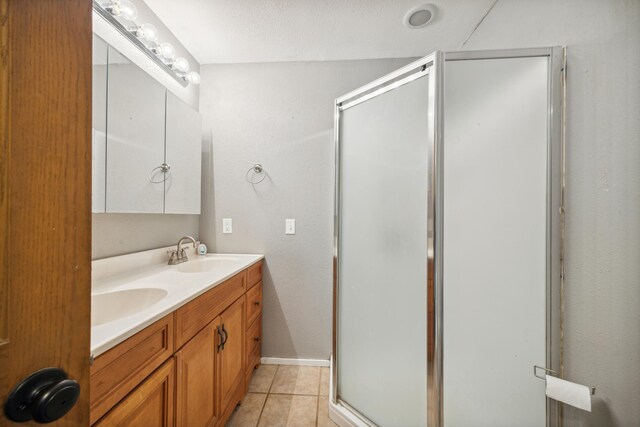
x=285 y=396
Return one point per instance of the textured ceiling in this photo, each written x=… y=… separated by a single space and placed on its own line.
x=229 y=31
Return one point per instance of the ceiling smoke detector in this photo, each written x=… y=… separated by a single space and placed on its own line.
x=420 y=16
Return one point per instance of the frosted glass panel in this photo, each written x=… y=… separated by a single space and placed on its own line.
x=383 y=256
x=494 y=276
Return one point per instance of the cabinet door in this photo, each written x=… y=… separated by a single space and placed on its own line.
x=232 y=354
x=183 y=154
x=135 y=138
x=197 y=403
x=149 y=405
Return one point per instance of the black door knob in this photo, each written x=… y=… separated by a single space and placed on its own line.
x=44 y=396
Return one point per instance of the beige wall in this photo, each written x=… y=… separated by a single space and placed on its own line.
x=280 y=115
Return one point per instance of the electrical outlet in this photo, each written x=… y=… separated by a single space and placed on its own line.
x=289 y=226
x=227 y=225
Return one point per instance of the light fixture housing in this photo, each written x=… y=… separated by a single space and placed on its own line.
x=121 y=14
x=420 y=16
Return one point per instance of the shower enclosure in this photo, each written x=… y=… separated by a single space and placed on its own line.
x=447 y=263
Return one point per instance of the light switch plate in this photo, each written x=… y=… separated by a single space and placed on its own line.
x=289 y=226
x=227 y=225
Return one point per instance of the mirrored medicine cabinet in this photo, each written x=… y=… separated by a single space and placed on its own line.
x=146 y=141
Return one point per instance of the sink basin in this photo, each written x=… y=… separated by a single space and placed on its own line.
x=206 y=264
x=109 y=306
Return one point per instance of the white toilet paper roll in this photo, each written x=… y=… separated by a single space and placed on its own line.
x=573 y=394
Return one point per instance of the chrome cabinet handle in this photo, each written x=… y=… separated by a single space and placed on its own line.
x=165 y=169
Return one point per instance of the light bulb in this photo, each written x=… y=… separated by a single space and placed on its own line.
x=166 y=50
x=193 y=78
x=126 y=10
x=147 y=32
x=181 y=64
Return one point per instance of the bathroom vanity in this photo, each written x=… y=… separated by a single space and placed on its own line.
x=186 y=356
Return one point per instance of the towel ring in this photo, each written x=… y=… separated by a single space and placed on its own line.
x=165 y=169
x=256 y=169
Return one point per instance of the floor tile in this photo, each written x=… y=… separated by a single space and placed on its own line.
x=296 y=380
x=323 y=413
x=286 y=410
x=262 y=378
x=248 y=413
x=324 y=381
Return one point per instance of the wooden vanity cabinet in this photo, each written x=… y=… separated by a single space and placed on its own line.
x=197 y=372
x=254 y=274
x=150 y=405
x=117 y=372
x=253 y=321
x=232 y=375
x=202 y=357
x=210 y=371
x=254 y=303
x=193 y=316
x=253 y=342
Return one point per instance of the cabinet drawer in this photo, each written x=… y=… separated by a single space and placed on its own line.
x=118 y=371
x=253 y=343
x=254 y=274
x=192 y=317
x=254 y=303
x=149 y=405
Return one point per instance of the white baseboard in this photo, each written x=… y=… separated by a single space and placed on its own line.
x=295 y=362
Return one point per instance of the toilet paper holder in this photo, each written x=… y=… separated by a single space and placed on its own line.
x=555 y=374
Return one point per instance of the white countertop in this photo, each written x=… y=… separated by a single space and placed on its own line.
x=149 y=269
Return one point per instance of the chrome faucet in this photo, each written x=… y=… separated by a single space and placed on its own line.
x=179 y=255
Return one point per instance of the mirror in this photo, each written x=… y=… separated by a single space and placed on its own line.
x=99 y=124
x=146 y=141
x=182 y=187
x=135 y=138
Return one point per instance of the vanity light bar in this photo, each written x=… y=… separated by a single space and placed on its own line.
x=145 y=37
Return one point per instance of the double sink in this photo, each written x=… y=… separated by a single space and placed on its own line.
x=127 y=299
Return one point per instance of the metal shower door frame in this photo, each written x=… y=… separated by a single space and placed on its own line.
x=434 y=66
x=430 y=67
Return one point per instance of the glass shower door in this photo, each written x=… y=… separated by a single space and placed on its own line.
x=448 y=249
x=385 y=137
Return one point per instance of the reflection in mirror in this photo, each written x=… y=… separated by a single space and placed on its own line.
x=183 y=153
x=99 y=124
x=135 y=138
